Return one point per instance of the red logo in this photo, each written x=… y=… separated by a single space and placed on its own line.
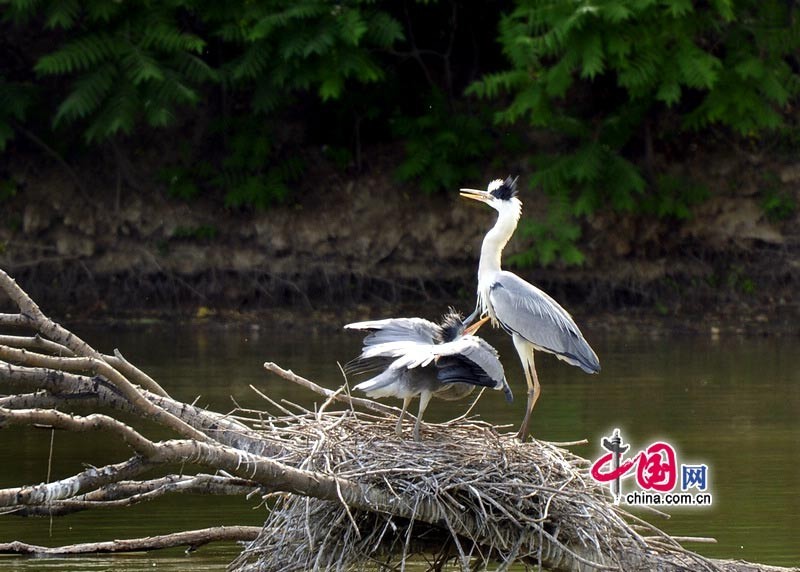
x=656 y=471
x=656 y=466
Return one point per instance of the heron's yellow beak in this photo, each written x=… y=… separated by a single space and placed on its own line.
x=476 y=195
x=476 y=326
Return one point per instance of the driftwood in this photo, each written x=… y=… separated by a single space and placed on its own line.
x=343 y=490
x=192 y=539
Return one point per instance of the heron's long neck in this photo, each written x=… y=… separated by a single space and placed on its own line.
x=494 y=242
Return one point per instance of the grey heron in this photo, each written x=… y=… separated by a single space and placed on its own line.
x=534 y=320
x=417 y=357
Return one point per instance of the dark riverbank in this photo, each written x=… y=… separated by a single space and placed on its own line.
x=355 y=245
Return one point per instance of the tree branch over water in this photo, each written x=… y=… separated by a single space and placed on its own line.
x=193 y=539
x=343 y=490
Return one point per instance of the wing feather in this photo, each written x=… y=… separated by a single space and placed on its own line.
x=474 y=355
x=524 y=309
x=398 y=330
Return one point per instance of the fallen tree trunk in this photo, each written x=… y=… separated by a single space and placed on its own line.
x=344 y=490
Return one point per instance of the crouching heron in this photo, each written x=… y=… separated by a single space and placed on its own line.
x=534 y=320
x=416 y=357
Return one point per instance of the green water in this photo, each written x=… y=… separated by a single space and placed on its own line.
x=732 y=403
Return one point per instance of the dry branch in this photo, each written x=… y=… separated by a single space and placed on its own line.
x=36 y=342
x=128 y=493
x=190 y=538
x=346 y=491
x=18 y=499
x=94 y=422
x=330 y=394
x=98 y=366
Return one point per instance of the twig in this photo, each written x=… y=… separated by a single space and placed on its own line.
x=191 y=538
x=308 y=384
x=129 y=370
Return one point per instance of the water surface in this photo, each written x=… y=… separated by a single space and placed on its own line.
x=732 y=403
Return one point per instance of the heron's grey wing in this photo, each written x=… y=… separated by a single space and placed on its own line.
x=524 y=309
x=413 y=354
x=395 y=381
x=398 y=330
x=470 y=359
x=363 y=365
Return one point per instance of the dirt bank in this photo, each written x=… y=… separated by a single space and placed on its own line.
x=371 y=245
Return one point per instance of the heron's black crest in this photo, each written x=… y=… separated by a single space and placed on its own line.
x=506 y=189
x=452 y=325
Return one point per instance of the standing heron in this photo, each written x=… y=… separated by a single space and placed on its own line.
x=534 y=320
x=419 y=358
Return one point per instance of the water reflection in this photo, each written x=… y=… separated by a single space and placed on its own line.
x=732 y=403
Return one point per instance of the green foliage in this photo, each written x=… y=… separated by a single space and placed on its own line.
x=254 y=173
x=179 y=182
x=443 y=146
x=778 y=204
x=717 y=63
x=737 y=279
x=312 y=45
x=138 y=64
x=341 y=157
x=674 y=197
x=202 y=232
x=553 y=239
x=128 y=63
x=243 y=85
x=15 y=99
x=8 y=190
x=550 y=240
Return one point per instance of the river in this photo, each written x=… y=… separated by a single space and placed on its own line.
x=731 y=403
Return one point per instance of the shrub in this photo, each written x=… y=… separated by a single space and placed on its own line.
x=601 y=73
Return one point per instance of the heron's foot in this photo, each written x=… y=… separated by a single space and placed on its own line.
x=523 y=432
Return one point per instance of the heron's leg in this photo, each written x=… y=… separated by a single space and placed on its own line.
x=424 y=399
x=399 y=428
x=525 y=351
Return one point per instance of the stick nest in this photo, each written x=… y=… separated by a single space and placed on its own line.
x=469 y=495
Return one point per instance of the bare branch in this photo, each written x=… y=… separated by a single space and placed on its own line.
x=71 y=387
x=93 y=477
x=343 y=398
x=45 y=400
x=14 y=320
x=98 y=366
x=32 y=316
x=222 y=428
x=36 y=342
x=129 y=370
x=128 y=493
x=191 y=538
x=93 y=422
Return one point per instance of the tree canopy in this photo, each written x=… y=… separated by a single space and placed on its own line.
x=241 y=88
